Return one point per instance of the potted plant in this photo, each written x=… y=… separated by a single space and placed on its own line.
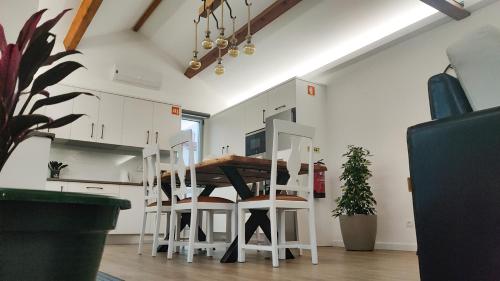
x=44 y=235
x=55 y=168
x=356 y=207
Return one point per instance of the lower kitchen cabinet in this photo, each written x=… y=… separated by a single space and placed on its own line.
x=129 y=221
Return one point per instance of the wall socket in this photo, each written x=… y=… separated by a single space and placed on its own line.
x=410 y=224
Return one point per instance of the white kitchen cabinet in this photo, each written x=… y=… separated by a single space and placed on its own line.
x=55 y=185
x=86 y=127
x=129 y=221
x=256 y=110
x=166 y=123
x=282 y=97
x=110 y=124
x=59 y=110
x=93 y=188
x=137 y=122
x=225 y=133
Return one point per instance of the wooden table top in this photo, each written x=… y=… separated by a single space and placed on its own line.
x=251 y=169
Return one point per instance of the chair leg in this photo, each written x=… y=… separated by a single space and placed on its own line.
x=228 y=226
x=173 y=229
x=210 y=232
x=167 y=226
x=141 y=237
x=178 y=231
x=156 y=233
x=274 y=235
x=312 y=235
x=193 y=227
x=281 y=233
x=241 y=235
x=234 y=223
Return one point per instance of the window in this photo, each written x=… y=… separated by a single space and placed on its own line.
x=196 y=125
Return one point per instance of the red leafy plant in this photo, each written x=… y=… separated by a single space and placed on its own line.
x=19 y=62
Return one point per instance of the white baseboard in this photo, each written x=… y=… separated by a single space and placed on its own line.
x=392 y=246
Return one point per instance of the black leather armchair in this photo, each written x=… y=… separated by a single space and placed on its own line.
x=455 y=172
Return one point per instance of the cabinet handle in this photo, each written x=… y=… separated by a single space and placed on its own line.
x=222 y=150
x=156 y=133
x=92 y=131
x=94 y=187
x=280 y=107
x=62 y=188
x=227 y=149
x=102 y=131
x=263 y=116
x=147 y=138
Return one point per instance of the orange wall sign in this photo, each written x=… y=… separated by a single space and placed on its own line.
x=176 y=110
x=311 y=90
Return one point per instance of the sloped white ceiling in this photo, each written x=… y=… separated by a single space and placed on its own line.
x=312 y=35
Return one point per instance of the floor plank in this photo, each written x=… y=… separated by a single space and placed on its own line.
x=335 y=264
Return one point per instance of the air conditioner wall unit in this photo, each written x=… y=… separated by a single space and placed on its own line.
x=137 y=76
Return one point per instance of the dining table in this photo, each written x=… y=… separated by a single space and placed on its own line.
x=237 y=172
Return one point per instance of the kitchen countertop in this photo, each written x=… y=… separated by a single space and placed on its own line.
x=95 y=181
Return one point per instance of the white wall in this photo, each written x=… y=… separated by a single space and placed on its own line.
x=13 y=16
x=372 y=102
x=96 y=163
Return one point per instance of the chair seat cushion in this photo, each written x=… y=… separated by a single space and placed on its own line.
x=281 y=197
x=206 y=199
x=163 y=203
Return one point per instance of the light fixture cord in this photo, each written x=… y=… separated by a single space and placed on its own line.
x=196 y=36
x=222 y=15
x=234 y=28
x=248 y=24
x=208 y=20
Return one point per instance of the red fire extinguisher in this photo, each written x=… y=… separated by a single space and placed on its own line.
x=319 y=182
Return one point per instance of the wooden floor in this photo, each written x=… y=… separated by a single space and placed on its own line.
x=334 y=264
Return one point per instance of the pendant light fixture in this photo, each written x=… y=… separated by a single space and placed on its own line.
x=249 y=48
x=219 y=68
x=233 y=47
x=221 y=41
x=207 y=43
x=195 y=64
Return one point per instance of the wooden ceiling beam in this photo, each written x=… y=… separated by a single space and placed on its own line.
x=448 y=7
x=82 y=20
x=147 y=13
x=212 y=4
x=267 y=16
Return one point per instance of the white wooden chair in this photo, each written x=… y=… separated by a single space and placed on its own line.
x=151 y=182
x=190 y=201
x=277 y=203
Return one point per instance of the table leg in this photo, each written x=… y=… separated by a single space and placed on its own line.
x=257 y=217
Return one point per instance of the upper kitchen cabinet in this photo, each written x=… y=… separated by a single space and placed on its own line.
x=59 y=110
x=256 y=110
x=282 y=97
x=225 y=133
x=166 y=123
x=110 y=119
x=137 y=122
x=86 y=127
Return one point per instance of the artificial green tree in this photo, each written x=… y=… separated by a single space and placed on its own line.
x=357 y=197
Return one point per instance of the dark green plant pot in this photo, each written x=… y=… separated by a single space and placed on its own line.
x=48 y=235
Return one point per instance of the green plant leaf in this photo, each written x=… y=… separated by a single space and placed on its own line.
x=63 y=121
x=56 y=100
x=59 y=56
x=20 y=124
x=28 y=30
x=3 y=40
x=34 y=57
x=48 y=25
x=54 y=75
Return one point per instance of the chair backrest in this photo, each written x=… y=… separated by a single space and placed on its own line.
x=183 y=140
x=297 y=133
x=151 y=173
